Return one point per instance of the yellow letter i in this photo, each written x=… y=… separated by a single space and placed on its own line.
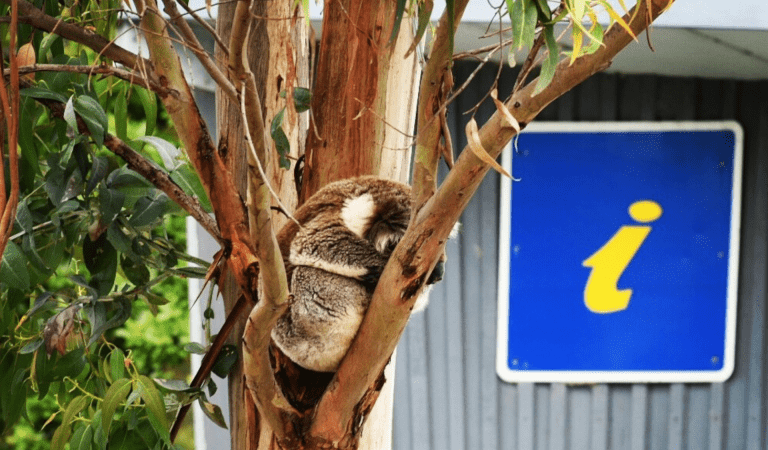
x=601 y=294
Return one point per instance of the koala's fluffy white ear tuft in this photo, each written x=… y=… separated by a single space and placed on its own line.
x=357 y=213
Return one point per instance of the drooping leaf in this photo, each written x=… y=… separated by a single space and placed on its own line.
x=13 y=271
x=93 y=115
x=121 y=312
x=43 y=93
x=425 y=12
x=281 y=140
x=117 y=363
x=190 y=183
x=155 y=407
x=399 y=10
x=100 y=259
x=550 y=63
x=62 y=434
x=194 y=347
x=98 y=172
x=69 y=114
x=149 y=210
x=175 y=385
x=41 y=303
x=115 y=395
x=120 y=110
x=149 y=103
x=473 y=140
x=168 y=152
x=213 y=412
x=224 y=362
x=302 y=99
x=31 y=346
x=82 y=437
x=136 y=272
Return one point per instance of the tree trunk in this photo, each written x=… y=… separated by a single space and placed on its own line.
x=364 y=115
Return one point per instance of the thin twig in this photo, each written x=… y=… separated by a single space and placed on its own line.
x=194 y=45
x=206 y=26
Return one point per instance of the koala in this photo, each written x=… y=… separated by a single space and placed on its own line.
x=334 y=259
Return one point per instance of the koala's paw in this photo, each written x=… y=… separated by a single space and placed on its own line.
x=371 y=279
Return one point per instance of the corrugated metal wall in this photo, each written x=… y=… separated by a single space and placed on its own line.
x=447 y=393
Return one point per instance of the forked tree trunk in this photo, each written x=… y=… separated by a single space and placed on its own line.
x=364 y=105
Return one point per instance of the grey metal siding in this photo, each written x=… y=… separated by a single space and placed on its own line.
x=447 y=393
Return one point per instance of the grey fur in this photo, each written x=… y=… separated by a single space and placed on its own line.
x=333 y=269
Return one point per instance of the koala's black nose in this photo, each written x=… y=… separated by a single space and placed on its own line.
x=437 y=273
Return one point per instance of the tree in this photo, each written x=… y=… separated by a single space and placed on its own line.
x=356 y=117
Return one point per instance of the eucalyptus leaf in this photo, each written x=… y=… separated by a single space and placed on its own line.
x=171 y=156
x=94 y=117
x=155 y=407
x=13 y=270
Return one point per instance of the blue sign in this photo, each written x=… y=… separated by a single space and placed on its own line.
x=619 y=253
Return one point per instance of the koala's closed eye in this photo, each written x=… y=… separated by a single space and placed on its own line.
x=334 y=260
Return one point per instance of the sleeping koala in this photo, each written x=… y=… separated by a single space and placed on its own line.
x=334 y=260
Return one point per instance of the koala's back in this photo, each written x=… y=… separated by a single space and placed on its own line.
x=333 y=261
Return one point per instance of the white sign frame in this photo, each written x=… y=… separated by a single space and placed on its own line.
x=518 y=376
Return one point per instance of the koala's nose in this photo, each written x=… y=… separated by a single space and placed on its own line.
x=437 y=273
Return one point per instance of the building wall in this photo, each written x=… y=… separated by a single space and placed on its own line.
x=447 y=394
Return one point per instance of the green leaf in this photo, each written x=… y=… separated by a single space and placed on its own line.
x=194 y=347
x=225 y=361
x=100 y=259
x=117 y=364
x=31 y=346
x=13 y=270
x=41 y=304
x=189 y=182
x=450 y=7
x=425 y=12
x=399 y=10
x=120 y=109
x=302 y=99
x=98 y=172
x=171 y=156
x=175 y=385
x=213 y=412
x=550 y=63
x=42 y=93
x=122 y=311
x=149 y=210
x=62 y=434
x=155 y=407
x=149 y=103
x=82 y=438
x=136 y=272
x=115 y=395
x=80 y=281
x=192 y=271
x=69 y=115
x=93 y=115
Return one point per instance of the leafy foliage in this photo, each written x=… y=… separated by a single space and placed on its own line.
x=91 y=260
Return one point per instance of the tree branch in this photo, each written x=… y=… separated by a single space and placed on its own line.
x=10 y=111
x=38 y=19
x=114 y=71
x=433 y=91
x=186 y=33
x=257 y=369
x=414 y=256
